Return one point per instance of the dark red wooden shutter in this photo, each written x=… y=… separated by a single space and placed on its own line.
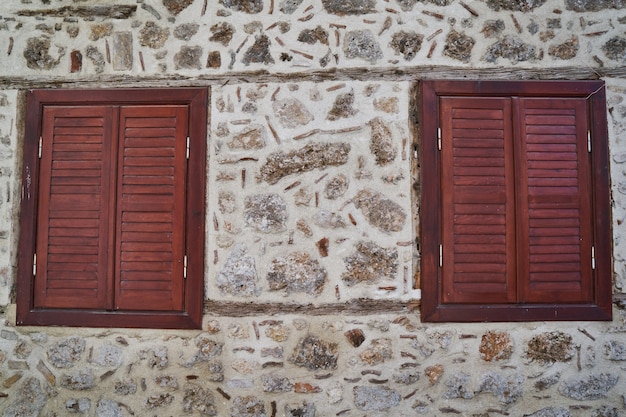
x=478 y=218
x=74 y=208
x=151 y=208
x=554 y=200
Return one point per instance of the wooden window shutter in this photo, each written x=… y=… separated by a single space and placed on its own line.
x=478 y=213
x=74 y=215
x=150 y=236
x=554 y=201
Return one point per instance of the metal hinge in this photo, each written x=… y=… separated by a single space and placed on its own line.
x=589 y=141
x=40 y=146
x=440 y=256
x=188 y=147
x=185 y=267
x=593 y=257
x=34 y=264
x=439 y=138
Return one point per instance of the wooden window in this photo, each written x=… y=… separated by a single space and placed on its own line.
x=112 y=222
x=515 y=215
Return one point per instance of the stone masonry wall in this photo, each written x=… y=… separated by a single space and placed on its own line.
x=312 y=211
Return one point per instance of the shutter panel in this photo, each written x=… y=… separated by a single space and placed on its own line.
x=74 y=206
x=554 y=197
x=478 y=233
x=151 y=208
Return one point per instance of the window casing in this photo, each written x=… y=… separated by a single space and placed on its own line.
x=515 y=215
x=112 y=220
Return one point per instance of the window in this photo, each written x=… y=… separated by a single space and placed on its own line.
x=515 y=216
x=112 y=220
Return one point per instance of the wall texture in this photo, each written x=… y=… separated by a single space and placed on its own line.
x=312 y=272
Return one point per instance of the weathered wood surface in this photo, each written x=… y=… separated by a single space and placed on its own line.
x=359 y=74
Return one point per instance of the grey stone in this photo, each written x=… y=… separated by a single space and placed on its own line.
x=515 y=5
x=153 y=36
x=276 y=383
x=370 y=264
x=336 y=187
x=250 y=138
x=406 y=377
x=208 y=350
x=8 y=335
x=259 y=52
x=615 y=48
x=291 y=112
x=65 y=353
x=547 y=381
x=108 y=355
x=158 y=400
x=96 y=57
x=327 y=220
x=378 y=352
x=238 y=276
x=265 y=213
x=122 y=58
x=312 y=36
x=29 y=400
x=458 y=46
x=307 y=409
x=157 y=357
x=246 y=6
x=492 y=28
x=381 y=142
x=343 y=107
x=186 y=31
x=379 y=211
x=289 y=6
x=407 y=44
x=22 y=349
x=312 y=156
x=198 y=399
x=109 y=408
x=248 y=406
x=227 y=202
x=315 y=354
x=507 y=389
x=296 y=272
x=594 y=5
x=79 y=381
x=252 y=27
x=125 y=387
x=550 y=412
x=361 y=44
x=78 y=405
x=166 y=381
x=188 y=57
x=511 y=48
x=151 y=10
x=176 y=6
x=592 y=387
x=349 y=7
x=222 y=33
x=458 y=386
x=37 y=54
x=216 y=371
x=566 y=50
x=615 y=350
x=239 y=383
x=605 y=411
x=375 y=398
x=550 y=347
x=407 y=5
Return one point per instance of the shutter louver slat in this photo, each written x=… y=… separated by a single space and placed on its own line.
x=476 y=216
x=151 y=195
x=72 y=253
x=555 y=247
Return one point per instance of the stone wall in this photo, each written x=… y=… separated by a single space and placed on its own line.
x=312 y=272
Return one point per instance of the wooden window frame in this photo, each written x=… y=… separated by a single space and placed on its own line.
x=433 y=306
x=190 y=316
